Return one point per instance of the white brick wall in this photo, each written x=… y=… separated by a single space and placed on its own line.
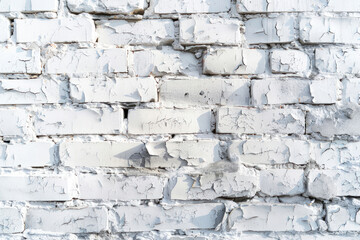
x=179 y=119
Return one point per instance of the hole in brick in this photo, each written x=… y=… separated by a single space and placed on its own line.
x=138 y=11
x=126 y=112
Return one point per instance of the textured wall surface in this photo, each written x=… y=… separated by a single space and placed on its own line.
x=179 y=119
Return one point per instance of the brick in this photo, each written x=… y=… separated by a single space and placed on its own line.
x=302 y=236
x=343 y=216
x=329 y=30
x=63 y=30
x=194 y=152
x=102 y=154
x=162 y=121
x=261 y=6
x=275 y=217
x=351 y=91
x=40 y=187
x=32 y=91
x=270 y=30
x=15 y=122
x=165 y=61
x=327 y=184
x=88 y=61
x=78 y=121
x=29 y=6
x=82 y=220
x=48 y=235
x=4 y=29
x=31 y=154
x=10 y=220
x=290 y=91
x=199 y=92
x=290 y=61
x=257 y=121
x=242 y=183
x=148 y=218
x=349 y=154
x=327 y=154
x=190 y=6
x=145 y=32
x=331 y=121
x=269 y=152
x=103 y=89
x=225 y=61
x=204 y=29
x=173 y=153
x=127 y=7
x=19 y=60
x=337 y=60
x=280 y=182
x=177 y=153
x=119 y=187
